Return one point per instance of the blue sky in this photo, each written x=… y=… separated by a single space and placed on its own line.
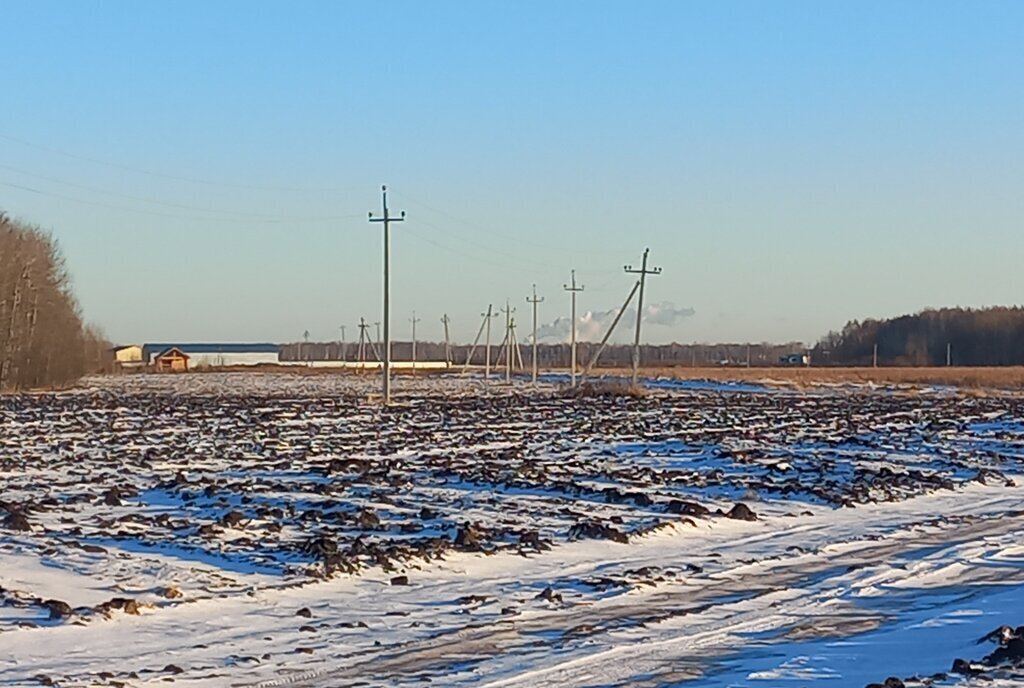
x=207 y=167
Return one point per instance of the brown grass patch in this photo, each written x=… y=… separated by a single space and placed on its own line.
x=978 y=379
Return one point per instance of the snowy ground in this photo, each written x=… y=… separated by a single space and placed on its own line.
x=269 y=530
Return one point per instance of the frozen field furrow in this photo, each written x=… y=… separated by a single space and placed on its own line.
x=255 y=529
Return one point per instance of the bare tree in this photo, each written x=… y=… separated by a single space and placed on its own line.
x=43 y=342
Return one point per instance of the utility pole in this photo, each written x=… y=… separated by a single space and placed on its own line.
x=518 y=358
x=572 y=345
x=534 y=301
x=508 y=311
x=342 y=352
x=414 y=320
x=949 y=354
x=363 y=339
x=387 y=219
x=447 y=342
x=472 y=349
x=608 y=334
x=874 y=356
x=487 y=347
x=643 y=272
x=305 y=338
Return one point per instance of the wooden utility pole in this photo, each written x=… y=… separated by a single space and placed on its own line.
x=447 y=342
x=573 y=289
x=387 y=219
x=535 y=300
x=643 y=272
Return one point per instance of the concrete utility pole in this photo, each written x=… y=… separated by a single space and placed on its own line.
x=643 y=272
x=949 y=354
x=387 y=219
x=572 y=345
x=487 y=346
x=874 y=357
x=518 y=358
x=447 y=342
x=508 y=311
x=472 y=349
x=414 y=320
x=363 y=339
x=342 y=352
x=534 y=301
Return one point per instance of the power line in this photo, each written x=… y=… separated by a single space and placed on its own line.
x=169 y=204
x=152 y=173
x=142 y=211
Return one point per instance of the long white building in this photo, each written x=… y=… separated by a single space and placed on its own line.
x=214 y=355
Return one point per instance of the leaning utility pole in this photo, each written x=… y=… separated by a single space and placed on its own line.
x=534 y=301
x=447 y=342
x=472 y=349
x=414 y=320
x=387 y=220
x=608 y=334
x=508 y=311
x=572 y=346
x=643 y=272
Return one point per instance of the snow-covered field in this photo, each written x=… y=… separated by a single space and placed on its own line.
x=252 y=529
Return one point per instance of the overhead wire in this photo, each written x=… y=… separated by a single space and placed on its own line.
x=143 y=211
x=168 y=204
x=164 y=175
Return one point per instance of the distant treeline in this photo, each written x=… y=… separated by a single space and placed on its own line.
x=558 y=355
x=972 y=337
x=43 y=342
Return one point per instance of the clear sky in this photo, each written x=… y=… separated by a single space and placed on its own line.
x=208 y=166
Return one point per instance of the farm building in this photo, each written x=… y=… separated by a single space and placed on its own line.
x=128 y=356
x=172 y=360
x=218 y=355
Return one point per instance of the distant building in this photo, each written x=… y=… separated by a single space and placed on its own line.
x=218 y=355
x=129 y=356
x=172 y=360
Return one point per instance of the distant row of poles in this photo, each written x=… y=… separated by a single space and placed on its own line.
x=509 y=347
